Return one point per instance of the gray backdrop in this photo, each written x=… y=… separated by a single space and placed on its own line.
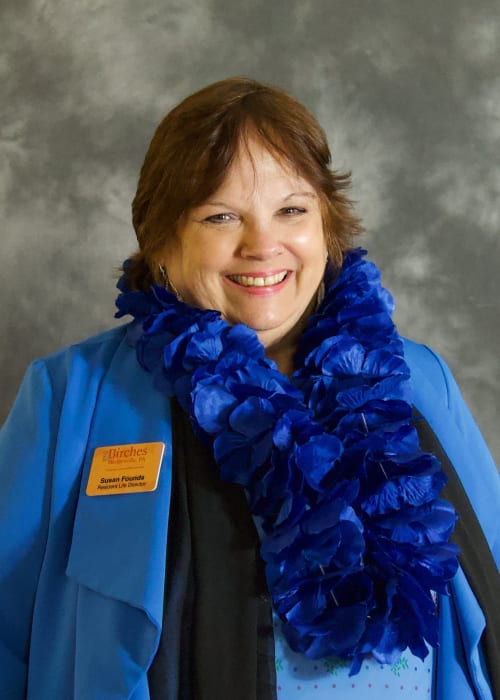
x=408 y=92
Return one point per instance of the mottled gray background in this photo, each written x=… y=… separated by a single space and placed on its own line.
x=408 y=92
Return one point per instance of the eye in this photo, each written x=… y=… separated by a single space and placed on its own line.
x=292 y=211
x=219 y=218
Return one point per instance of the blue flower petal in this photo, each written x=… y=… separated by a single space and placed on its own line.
x=211 y=407
x=317 y=457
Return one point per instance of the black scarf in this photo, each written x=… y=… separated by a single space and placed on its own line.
x=218 y=636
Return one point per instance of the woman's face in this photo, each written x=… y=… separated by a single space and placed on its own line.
x=255 y=250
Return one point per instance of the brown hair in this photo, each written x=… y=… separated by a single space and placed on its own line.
x=193 y=147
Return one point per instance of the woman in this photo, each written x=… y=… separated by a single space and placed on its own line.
x=227 y=495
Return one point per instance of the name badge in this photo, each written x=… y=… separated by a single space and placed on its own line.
x=131 y=468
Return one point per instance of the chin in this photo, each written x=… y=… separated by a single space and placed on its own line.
x=272 y=327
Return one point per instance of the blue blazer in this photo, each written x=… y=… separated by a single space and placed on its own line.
x=82 y=578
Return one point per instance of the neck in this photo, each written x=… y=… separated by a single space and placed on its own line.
x=282 y=350
x=284 y=359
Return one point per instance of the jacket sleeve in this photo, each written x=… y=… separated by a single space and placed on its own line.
x=27 y=443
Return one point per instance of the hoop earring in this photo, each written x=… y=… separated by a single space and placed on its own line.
x=167 y=283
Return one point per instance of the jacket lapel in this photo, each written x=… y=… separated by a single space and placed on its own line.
x=462 y=621
x=118 y=550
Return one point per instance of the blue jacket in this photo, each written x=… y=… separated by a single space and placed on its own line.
x=82 y=578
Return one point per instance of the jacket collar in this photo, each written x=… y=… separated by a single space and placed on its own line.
x=118 y=550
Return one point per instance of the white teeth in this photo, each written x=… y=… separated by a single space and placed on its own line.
x=246 y=281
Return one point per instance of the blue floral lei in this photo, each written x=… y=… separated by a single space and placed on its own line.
x=353 y=534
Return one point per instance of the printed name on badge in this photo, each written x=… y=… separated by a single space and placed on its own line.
x=122 y=469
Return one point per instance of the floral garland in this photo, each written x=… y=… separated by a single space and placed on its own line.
x=353 y=534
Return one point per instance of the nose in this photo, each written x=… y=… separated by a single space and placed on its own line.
x=260 y=241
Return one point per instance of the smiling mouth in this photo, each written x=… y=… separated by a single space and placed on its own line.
x=250 y=281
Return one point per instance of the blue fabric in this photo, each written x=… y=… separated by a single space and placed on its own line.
x=82 y=578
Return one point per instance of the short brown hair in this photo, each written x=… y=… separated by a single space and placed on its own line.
x=194 y=146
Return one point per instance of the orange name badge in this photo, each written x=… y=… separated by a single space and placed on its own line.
x=131 y=468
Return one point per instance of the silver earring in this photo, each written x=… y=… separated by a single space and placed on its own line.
x=167 y=283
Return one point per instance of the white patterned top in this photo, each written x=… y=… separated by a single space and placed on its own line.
x=299 y=677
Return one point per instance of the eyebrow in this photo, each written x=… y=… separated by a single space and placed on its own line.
x=215 y=204
x=307 y=193
x=311 y=195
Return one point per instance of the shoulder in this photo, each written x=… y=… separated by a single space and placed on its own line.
x=93 y=354
x=429 y=370
x=95 y=346
x=436 y=392
x=77 y=369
